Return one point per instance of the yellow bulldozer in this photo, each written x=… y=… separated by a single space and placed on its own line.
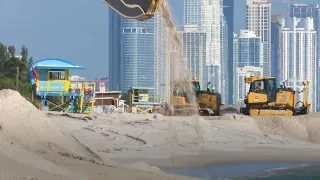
x=203 y=101
x=264 y=98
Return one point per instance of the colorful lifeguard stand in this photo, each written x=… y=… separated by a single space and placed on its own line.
x=50 y=77
x=141 y=101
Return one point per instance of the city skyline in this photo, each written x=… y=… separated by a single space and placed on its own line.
x=81 y=37
x=214 y=20
x=260 y=50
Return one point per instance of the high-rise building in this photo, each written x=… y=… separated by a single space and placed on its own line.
x=192 y=12
x=211 y=19
x=194 y=50
x=317 y=28
x=224 y=63
x=299 y=61
x=301 y=15
x=161 y=58
x=276 y=27
x=208 y=15
x=251 y=50
x=114 y=50
x=259 y=21
x=228 y=12
x=235 y=61
x=144 y=56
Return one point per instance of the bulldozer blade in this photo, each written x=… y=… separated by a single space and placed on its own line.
x=185 y=112
x=270 y=112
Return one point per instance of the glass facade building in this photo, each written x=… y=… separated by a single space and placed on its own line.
x=228 y=12
x=251 y=50
x=259 y=21
x=194 y=50
x=296 y=70
x=192 y=12
x=225 y=62
x=276 y=28
x=309 y=12
x=114 y=51
x=317 y=28
x=137 y=54
x=208 y=14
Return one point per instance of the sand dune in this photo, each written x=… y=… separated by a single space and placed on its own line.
x=35 y=146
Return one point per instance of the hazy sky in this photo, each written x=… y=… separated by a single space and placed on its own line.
x=75 y=30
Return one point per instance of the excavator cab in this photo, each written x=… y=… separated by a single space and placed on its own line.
x=134 y=9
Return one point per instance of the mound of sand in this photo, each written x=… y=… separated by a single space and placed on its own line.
x=33 y=146
x=24 y=124
x=304 y=128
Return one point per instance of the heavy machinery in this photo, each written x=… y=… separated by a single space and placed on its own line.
x=202 y=100
x=135 y=9
x=264 y=98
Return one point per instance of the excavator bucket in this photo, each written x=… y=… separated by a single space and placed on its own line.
x=134 y=9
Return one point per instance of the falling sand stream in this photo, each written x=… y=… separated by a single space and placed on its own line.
x=179 y=71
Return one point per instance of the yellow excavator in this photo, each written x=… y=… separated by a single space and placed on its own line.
x=264 y=98
x=204 y=101
x=135 y=9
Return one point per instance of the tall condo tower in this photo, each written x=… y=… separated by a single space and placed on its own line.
x=143 y=52
x=299 y=61
x=208 y=16
x=276 y=29
x=304 y=62
x=259 y=21
x=211 y=22
x=194 y=50
x=114 y=51
x=249 y=61
x=228 y=12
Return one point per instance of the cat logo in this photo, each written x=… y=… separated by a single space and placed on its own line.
x=134 y=9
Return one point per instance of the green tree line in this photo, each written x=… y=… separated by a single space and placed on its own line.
x=14 y=70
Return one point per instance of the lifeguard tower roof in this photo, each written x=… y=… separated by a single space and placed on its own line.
x=54 y=63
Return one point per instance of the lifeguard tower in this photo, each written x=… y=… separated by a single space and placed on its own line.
x=141 y=101
x=50 y=77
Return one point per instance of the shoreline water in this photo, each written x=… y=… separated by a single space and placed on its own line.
x=212 y=158
x=252 y=170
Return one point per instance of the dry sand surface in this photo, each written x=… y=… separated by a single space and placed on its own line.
x=119 y=146
x=33 y=146
x=193 y=141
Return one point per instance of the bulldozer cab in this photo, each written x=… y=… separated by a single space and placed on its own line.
x=264 y=86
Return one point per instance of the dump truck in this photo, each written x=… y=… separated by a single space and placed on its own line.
x=264 y=98
x=203 y=101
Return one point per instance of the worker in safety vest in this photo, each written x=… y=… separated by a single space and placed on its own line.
x=209 y=88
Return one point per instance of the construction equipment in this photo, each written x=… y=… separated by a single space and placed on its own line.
x=203 y=101
x=134 y=9
x=264 y=98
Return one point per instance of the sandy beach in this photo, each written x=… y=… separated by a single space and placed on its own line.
x=51 y=145
x=181 y=142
